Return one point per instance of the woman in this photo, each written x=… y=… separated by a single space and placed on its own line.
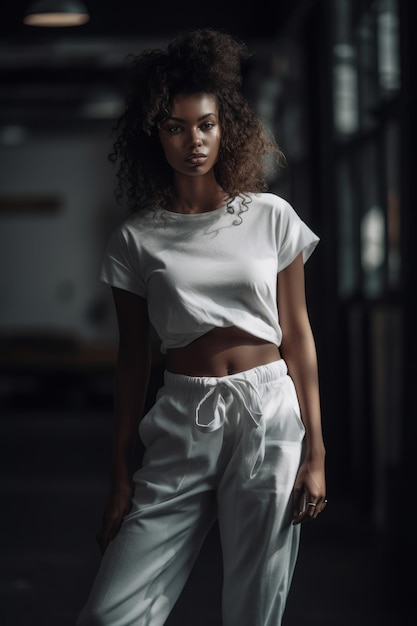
x=216 y=265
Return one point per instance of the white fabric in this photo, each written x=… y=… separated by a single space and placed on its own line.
x=207 y=270
x=190 y=475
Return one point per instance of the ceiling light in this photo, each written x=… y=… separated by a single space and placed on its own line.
x=56 y=13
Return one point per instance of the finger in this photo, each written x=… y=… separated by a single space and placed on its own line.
x=323 y=505
x=299 y=513
x=303 y=517
x=298 y=502
x=312 y=509
x=106 y=534
x=311 y=512
x=317 y=507
x=298 y=510
x=298 y=516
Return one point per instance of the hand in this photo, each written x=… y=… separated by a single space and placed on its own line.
x=309 y=492
x=118 y=505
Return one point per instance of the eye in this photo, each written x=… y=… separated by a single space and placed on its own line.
x=207 y=126
x=173 y=130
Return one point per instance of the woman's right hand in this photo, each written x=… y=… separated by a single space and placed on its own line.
x=118 y=505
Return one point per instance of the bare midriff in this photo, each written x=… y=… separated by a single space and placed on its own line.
x=221 y=352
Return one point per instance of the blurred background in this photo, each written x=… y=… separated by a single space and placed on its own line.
x=335 y=82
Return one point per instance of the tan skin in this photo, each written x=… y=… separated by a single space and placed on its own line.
x=193 y=129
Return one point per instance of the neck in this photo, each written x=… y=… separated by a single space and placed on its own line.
x=198 y=196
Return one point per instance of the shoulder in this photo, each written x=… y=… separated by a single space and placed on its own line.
x=269 y=199
x=126 y=239
x=132 y=227
x=271 y=204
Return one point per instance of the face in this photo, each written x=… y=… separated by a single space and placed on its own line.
x=190 y=136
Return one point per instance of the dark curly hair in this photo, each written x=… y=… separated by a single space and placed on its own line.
x=199 y=61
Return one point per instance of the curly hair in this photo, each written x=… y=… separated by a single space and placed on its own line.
x=199 y=61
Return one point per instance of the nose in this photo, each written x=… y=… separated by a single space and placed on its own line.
x=195 y=138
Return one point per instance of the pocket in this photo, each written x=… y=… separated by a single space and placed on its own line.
x=166 y=434
x=282 y=412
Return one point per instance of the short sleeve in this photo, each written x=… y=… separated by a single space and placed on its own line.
x=120 y=266
x=293 y=237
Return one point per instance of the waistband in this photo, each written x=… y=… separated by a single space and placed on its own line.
x=256 y=375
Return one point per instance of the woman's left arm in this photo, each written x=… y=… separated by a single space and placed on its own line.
x=299 y=351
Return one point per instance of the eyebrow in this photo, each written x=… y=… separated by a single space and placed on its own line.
x=180 y=119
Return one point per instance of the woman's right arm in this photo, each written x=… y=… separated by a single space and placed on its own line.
x=131 y=384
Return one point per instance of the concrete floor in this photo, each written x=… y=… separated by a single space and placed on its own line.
x=53 y=486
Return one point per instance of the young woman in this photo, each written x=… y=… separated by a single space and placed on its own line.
x=216 y=265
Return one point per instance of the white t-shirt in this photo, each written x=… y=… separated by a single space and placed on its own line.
x=206 y=270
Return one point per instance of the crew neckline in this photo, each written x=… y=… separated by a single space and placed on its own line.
x=223 y=208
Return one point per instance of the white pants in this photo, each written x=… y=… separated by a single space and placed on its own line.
x=224 y=447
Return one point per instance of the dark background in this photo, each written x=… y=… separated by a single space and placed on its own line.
x=335 y=82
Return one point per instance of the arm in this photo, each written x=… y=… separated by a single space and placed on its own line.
x=299 y=351
x=131 y=384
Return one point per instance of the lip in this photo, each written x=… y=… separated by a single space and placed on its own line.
x=197 y=158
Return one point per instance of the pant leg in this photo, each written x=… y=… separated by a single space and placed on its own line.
x=146 y=565
x=259 y=542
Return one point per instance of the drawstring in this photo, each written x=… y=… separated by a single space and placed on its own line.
x=246 y=394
